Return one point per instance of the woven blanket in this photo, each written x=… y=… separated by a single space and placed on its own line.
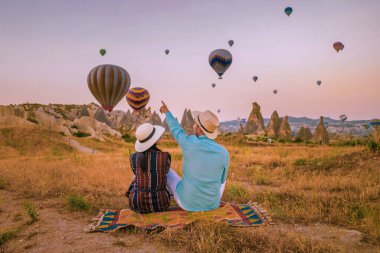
x=239 y=215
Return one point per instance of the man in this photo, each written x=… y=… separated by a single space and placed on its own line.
x=205 y=163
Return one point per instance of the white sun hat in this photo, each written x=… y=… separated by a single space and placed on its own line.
x=208 y=122
x=147 y=135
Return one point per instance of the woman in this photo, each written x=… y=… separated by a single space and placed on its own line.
x=147 y=192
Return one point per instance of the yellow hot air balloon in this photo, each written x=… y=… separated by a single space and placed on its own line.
x=108 y=84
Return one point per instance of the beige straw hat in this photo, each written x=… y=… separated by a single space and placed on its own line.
x=147 y=135
x=208 y=122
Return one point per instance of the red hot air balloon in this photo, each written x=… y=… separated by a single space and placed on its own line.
x=108 y=84
x=138 y=98
x=338 y=46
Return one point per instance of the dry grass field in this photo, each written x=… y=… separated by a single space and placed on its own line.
x=322 y=198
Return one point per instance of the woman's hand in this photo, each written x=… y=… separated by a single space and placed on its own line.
x=164 y=109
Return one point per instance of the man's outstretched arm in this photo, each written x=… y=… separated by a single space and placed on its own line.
x=175 y=128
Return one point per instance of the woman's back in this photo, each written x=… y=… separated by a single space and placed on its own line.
x=148 y=192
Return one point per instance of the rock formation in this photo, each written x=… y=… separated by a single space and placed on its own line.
x=93 y=127
x=101 y=116
x=84 y=112
x=255 y=123
x=274 y=125
x=304 y=134
x=285 y=132
x=321 y=135
x=187 y=121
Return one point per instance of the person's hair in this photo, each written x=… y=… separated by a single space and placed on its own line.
x=144 y=157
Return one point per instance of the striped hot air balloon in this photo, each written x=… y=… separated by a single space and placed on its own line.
x=108 y=84
x=220 y=60
x=343 y=117
x=138 y=98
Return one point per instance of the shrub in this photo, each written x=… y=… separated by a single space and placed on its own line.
x=77 y=203
x=6 y=236
x=372 y=145
x=81 y=134
x=128 y=138
x=31 y=210
x=300 y=162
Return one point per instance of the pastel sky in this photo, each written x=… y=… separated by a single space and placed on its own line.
x=48 y=47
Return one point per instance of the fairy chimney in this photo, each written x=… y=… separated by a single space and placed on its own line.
x=304 y=134
x=101 y=116
x=187 y=121
x=285 y=132
x=273 y=128
x=255 y=123
x=321 y=135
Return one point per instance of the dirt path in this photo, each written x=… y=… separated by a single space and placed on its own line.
x=75 y=144
x=58 y=230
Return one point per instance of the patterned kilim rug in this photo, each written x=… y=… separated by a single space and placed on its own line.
x=239 y=215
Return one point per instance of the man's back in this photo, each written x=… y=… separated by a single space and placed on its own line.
x=205 y=167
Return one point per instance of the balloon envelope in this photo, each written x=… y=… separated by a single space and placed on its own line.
x=319 y=82
x=108 y=84
x=338 y=46
x=213 y=85
x=167 y=51
x=343 y=117
x=220 y=60
x=102 y=52
x=255 y=78
x=275 y=92
x=288 y=11
x=231 y=43
x=138 y=98
x=218 y=110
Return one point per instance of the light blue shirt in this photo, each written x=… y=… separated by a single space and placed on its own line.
x=205 y=167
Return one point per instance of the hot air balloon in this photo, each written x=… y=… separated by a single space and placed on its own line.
x=167 y=51
x=213 y=85
x=343 y=117
x=218 y=110
x=231 y=43
x=275 y=92
x=319 y=82
x=338 y=46
x=255 y=78
x=220 y=60
x=102 y=52
x=138 y=98
x=108 y=84
x=288 y=11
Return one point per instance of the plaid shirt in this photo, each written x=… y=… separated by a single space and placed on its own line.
x=147 y=192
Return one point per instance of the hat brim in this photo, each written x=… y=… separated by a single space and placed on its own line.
x=141 y=147
x=212 y=135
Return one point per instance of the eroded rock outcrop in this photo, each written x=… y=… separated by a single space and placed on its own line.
x=187 y=121
x=304 y=134
x=321 y=135
x=255 y=123
x=285 y=132
x=274 y=125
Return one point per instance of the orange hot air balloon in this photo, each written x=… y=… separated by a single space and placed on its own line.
x=338 y=46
